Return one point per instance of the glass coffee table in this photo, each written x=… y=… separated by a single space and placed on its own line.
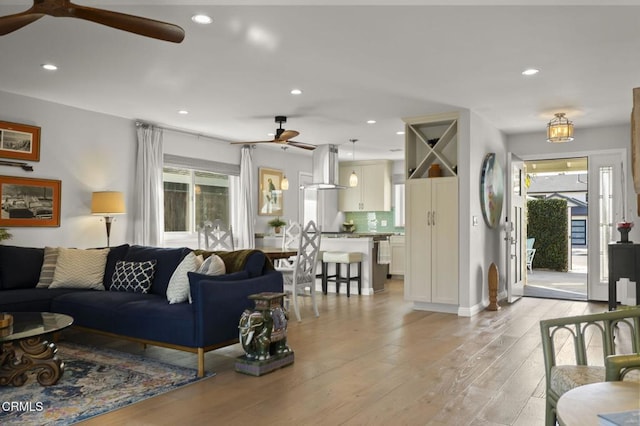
x=25 y=348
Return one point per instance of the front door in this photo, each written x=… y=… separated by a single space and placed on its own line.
x=515 y=221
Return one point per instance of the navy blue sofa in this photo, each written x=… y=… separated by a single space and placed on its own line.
x=210 y=322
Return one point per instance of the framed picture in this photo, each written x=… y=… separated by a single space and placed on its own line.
x=269 y=192
x=19 y=141
x=491 y=190
x=29 y=202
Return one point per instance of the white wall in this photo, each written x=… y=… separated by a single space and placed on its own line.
x=87 y=152
x=90 y=151
x=589 y=142
x=479 y=245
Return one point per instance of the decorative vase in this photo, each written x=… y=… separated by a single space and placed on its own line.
x=624 y=228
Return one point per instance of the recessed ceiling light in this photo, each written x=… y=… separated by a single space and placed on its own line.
x=49 y=67
x=296 y=91
x=201 y=19
x=530 y=71
x=400 y=132
x=371 y=121
x=183 y=112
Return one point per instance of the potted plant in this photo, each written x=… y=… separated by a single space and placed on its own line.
x=277 y=224
x=4 y=235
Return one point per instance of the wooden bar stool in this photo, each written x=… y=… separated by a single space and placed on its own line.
x=340 y=258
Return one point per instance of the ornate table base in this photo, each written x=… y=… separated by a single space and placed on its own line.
x=36 y=355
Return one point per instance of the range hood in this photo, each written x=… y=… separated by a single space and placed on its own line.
x=325 y=168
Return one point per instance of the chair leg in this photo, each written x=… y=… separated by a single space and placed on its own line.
x=325 y=276
x=294 y=295
x=313 y=300
x=360 y=278
x=338 y=275
x=348 y=282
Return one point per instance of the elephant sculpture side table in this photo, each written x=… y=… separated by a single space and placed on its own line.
x=263 y=336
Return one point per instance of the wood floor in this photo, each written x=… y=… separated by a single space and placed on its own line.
x=371 y=360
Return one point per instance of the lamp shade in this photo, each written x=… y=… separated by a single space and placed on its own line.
x=107 y=203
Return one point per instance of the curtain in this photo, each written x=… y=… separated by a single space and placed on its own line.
x=148 y=225
x=246 y=206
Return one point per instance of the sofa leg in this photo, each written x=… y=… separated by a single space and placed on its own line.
x=200 y=362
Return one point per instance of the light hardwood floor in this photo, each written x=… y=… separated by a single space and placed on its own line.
x=371 y=360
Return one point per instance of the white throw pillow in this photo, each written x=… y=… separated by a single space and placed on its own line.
x=178 y=288
x=213 y=265
x=78 y=268
x=48 y=266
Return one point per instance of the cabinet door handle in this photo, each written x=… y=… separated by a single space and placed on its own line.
x=434 y=219
x=428 y=218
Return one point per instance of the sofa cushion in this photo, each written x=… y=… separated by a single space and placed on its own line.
x=115 y=254
x=48 y=266
x=31 y=299
x=134 y=277
x=234 y=276
x=78 y=268
x=20 y=266
x=178 y=288
x=167 y=260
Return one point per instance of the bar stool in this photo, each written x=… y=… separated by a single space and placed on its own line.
x=340 y=258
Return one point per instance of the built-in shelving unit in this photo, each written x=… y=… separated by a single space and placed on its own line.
x=431 y=140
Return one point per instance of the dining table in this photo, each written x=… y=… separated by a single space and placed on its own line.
x=583 y=405
x=274 y=253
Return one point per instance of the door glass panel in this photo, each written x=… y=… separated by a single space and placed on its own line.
x=606 y=217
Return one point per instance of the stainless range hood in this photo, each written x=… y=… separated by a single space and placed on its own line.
x=325 y=168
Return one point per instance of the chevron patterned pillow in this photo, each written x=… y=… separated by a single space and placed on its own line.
x=134 y=277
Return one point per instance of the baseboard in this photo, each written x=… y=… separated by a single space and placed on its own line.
x=435 y=307
x=473 y=310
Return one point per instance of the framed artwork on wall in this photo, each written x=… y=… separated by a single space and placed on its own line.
x=19 y=141
x=270 y=201
x=491 y=190
x=29 y=202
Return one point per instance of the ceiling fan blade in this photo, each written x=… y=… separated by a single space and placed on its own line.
x=133 y=24
x=287 y=134
x=11 y=23
x=302 y=145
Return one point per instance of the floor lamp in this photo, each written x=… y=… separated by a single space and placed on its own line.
x=107 y=204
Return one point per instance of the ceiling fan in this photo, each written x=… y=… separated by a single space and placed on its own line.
x=283 y=136
x=66 y=9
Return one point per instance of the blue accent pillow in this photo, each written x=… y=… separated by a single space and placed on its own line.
x=234 y=276
x=133 y=277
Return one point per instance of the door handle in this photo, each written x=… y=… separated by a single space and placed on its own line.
x=428 y=218
x=434 y=219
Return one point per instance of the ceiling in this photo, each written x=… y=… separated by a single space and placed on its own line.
x=354 y=63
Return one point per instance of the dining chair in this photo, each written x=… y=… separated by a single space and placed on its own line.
x=217 y=236
x=290 y=241
x=300 y=279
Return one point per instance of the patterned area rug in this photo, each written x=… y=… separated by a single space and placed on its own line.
x=95 y=381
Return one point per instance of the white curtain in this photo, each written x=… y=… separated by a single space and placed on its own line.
x=148 y=226
x=246 y=205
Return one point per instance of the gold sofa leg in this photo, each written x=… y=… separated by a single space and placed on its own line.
x=200 y=362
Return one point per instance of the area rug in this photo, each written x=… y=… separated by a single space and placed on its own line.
x=95 y=381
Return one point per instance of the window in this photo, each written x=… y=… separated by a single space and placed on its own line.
x=192 y=197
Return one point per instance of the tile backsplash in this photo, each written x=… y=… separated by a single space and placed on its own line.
x=373 y=221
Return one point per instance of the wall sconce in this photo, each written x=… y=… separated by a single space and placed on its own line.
x=107 y=204
x=559 y=129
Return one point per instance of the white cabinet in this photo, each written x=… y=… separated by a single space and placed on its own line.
x=432 y=240
x=373 y=192
x=431 y=141
x=396 y=242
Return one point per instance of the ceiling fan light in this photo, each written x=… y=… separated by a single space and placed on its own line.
x=353 y=179
x=284 y=184
x=201 y=19
x=559 y=129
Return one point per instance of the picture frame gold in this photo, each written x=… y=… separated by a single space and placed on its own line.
x=29 y=202
x=19 y=141
x=270 y=199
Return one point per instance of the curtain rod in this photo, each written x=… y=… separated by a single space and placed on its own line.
x=177 y=130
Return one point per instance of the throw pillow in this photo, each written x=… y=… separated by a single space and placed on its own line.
x=77 y=268
x=178 y=289
x=48 y=267
x=213 y=265
x=133 y=277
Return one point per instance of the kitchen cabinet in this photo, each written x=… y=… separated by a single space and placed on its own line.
x=373 y=192
x=396 y=242
x=431 y=235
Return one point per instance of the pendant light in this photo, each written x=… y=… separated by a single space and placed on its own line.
x=284 y=184
x=353 y=179
x=559 y=129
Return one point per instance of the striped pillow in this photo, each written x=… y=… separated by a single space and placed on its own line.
x=48 y=266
